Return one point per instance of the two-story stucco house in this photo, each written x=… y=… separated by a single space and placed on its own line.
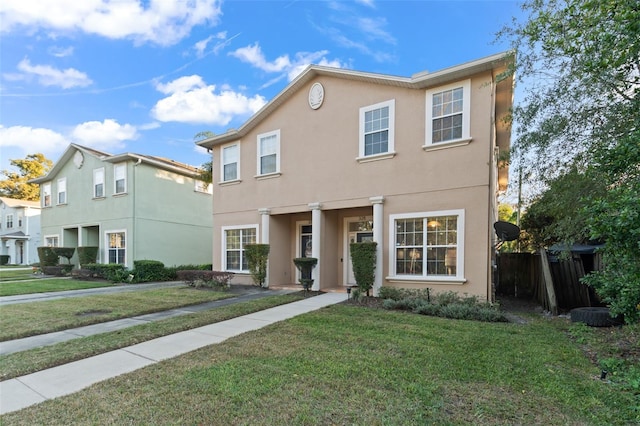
x=131 y=206
x=341 y=156
x=19 y=230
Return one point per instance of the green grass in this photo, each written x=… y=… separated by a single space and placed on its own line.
x=43 y=285
x=21 y=363
x=353 y=365
x=28 y=319
x=10 y=274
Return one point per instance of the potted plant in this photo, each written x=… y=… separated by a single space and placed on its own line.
x=305 y=265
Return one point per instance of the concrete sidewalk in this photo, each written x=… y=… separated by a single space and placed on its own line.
x=31 y=389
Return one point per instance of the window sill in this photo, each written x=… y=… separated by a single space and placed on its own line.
x=376 y=157
x=436 y=280
x=61 y=204
x=268 y=176
x=120 y=194
x=449 y=144
x=99 y=198
x=230 y=182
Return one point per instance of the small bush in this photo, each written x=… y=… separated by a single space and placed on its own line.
x=171 y=272
x=257 y=257
x=113 y=272
x=4 y=259
x=396 y=293
x=58 y=270
x=198 y=278
x=48 y=256
x=66 y=252
x=363 y=260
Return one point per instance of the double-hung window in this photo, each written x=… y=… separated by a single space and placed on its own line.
x=120 y=178
x=51 y=240
x=235 y=240
x=116 y=247
x=9 y=219
x=269 y=153
x=46 y=195
x=377 y=129
x=230 y=169
x=62 y=191
x=428 y=245
x=448 y=114
x=98 y=183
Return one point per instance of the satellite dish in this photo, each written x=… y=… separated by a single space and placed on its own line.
x=506 y=231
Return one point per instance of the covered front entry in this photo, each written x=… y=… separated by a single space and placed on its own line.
x=357 y=230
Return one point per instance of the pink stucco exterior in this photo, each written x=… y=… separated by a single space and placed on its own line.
x=325 y=187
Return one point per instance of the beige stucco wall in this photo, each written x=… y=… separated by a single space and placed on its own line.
x=318 y=165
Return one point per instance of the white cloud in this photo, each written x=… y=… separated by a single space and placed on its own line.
x=201 y=46
x=158 y=21
x=49 y=76
x=253 y=55
x=60 y=52
x=32 y=140
x=191 y=100
x=106 y=135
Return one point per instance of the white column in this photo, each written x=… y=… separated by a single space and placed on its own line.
x=378 y=232
x=264 y=236
x=316 y=233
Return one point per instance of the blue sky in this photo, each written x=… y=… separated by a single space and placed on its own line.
x=146 y=76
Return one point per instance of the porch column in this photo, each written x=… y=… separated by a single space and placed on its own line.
x=264 y=236
x=316 y=235
x=378 y=232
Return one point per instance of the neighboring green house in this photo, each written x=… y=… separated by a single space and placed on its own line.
x=131 y=206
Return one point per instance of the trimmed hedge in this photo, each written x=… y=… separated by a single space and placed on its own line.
x=148 y=270
x=48 y=256
x=4 y=259
x=113 y=272
x=363 y=259
x=257 y=257
x=87 y=254
x=200 y=278
x=66 y=252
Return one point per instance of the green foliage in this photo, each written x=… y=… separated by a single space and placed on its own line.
x=201 y=278
x=305 y=265
x=148 y=270
x=113 y=272
x=66 y=252
x=4 y=259
x=171 y=272
x=87 y=254
x=47 y=256
x=257 y=257
x=15 y=185
x=363 y=259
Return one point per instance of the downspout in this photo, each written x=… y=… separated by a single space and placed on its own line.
x=492 y=193
x=133 y=214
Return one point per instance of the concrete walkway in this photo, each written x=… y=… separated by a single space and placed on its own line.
x=34 y=388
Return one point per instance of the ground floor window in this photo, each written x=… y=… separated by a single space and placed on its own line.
x=116 y=247
x=428 y=244
x=235 y=240
x=51 y=241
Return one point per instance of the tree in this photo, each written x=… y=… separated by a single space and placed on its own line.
x=580 y=63
x=207 y=168
x=15 y=185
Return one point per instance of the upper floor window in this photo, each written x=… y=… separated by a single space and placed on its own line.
x=98 y=183
x=428 y=245
x=120 y=178
x=377 y=129
x=230 y=169
x=9 y=219
x=62 y=191
x=269 y=153
x=46 y=195
x=20 y=220
x=448 y=113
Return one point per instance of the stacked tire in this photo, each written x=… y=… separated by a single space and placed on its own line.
x=595 y=317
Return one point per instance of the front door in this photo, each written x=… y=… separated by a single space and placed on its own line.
x=305 y=244
x=358 y=230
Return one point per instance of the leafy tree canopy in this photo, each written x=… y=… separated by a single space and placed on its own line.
x=207 y=168
x=15 y=183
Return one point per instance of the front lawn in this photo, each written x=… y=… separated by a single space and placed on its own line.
x=352 y=365
x=44 y=285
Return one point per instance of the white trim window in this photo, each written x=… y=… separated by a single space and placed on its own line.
x=9 y=219
x=51 y=240
x=448 y=114
x=46 y=194
x=120 y=178
x=235 y=238
x=377 y=129
x=116 y=247
x=428 y=245
x=269 y=153
x=230 y=168
x=62 y=191
x=98 y=183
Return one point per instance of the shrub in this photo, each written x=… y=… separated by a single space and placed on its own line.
x=200 y=278
x=113 y=272
x=58 y=270
x=47 y=256
x=396 y=293
x=87 y=254
x=148 y=270
x=305 y=265
x=4 y=259
x=363 y=259
x=66 y=252
x=257 y=257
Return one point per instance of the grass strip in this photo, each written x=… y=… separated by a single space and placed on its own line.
x=29 y=319
x=26 y=362
x=46 y=285
x=353 y=365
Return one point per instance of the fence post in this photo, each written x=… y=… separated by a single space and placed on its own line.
x=548 y=281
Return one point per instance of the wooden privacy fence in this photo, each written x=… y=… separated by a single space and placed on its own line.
x=554 y=283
